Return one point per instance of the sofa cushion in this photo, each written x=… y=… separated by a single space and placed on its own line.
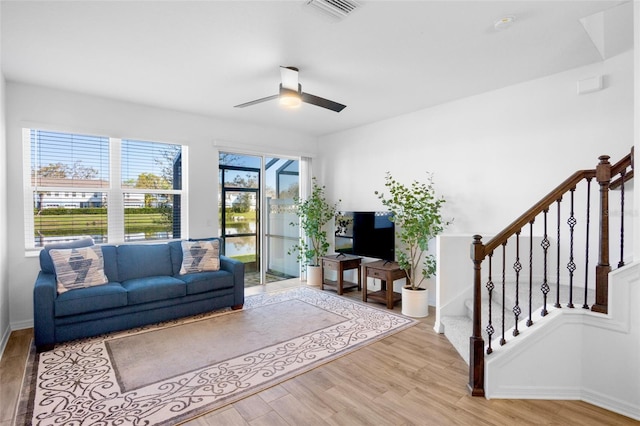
x=176 y=251
x=149 y=289
x=200 y=256
x=143 y=260
x=78 y=267
x=46 y=264
x=107 y=296
x=201 y=282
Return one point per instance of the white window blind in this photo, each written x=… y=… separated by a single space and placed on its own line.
x=69 y=182
x=111 y=189
x=152 y=187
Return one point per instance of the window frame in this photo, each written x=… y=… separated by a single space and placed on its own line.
x=115 y=192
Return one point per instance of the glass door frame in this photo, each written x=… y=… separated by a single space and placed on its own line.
x=255 y=234
x=261 y=214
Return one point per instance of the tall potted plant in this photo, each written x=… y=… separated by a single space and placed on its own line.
x=313 y=212
x=416 y=211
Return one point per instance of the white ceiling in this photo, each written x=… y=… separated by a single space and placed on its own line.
x=385 y=59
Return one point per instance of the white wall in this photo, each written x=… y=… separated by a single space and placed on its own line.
x=636 y=38
x=5 y=329
x=493 y=155
x=31 y=106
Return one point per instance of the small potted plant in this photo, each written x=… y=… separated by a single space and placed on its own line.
x=415 y=210
x=313 y=212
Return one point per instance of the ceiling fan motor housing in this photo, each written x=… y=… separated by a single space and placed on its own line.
x=285 y=91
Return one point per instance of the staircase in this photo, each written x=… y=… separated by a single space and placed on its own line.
x=545 y=258
x=458 y=328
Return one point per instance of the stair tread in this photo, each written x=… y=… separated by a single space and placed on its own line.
x=537 y=300
x=538 y=297
x=458 y=329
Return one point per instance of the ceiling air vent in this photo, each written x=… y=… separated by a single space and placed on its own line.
x=336 y=9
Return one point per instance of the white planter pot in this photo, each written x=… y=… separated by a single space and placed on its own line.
x=415 y=303
x=314 y=275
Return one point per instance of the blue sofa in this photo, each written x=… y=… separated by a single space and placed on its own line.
x=144 y=287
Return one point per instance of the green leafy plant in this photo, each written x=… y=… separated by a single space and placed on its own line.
x=313 y=213
x=416 y=210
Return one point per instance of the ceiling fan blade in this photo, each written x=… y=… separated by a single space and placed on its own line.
x=289 y=77
x=257 y=101
x=322 y=102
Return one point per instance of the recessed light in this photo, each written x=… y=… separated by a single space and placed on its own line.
x=504 y=23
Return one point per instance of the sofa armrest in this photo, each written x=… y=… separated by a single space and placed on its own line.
x=44 y=296
x=237 y=269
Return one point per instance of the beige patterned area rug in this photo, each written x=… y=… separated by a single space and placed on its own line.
x=175 y=371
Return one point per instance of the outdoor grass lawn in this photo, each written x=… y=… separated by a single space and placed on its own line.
x=245 y=258
x=97 y=224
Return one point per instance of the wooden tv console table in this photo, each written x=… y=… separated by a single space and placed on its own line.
x=340 y=263
x=387 y=273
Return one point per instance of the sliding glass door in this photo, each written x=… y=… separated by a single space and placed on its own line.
x=282 y=182
x=256 y=210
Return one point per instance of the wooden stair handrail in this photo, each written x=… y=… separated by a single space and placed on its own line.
x=603 y=173
x=618 y=182
x=537 y=208
x=621 y=165
x=625 y=162
x=556 y=194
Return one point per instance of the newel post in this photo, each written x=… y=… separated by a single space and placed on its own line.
x=603 y=176
x=476 y=343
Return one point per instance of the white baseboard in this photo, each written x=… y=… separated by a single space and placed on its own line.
x=21 y=325
x=611 y=404
x=4 y=341
x=569 y=393
x=538 y=392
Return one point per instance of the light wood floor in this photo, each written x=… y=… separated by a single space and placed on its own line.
x=414 y=377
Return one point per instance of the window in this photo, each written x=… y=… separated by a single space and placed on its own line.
x=152 y=179
x=129 y=190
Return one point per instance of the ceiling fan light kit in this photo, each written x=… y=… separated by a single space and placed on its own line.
x=289 y=98
x=291 y=95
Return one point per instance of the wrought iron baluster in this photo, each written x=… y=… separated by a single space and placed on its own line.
x=586 y=258
x=517 y=266
x=490 y=287
x=571 y=266
x=558 y=305
x=530 y=320
x=622 y=176
x=545 y=248
x=504 y=280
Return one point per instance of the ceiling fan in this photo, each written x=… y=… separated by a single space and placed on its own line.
x=291 y=94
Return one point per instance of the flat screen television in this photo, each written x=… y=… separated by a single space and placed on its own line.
x=367 y=234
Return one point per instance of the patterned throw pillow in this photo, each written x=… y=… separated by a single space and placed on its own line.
x=78 y=267
x=199 y=256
